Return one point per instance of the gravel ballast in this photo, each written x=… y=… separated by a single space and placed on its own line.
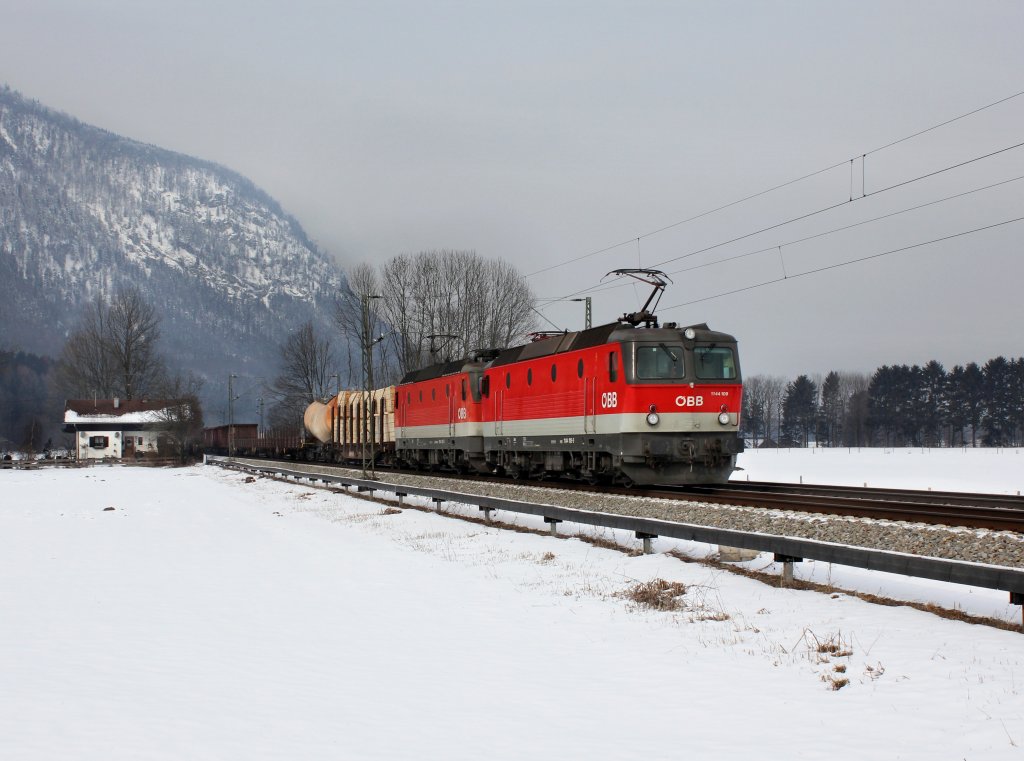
x=1003 y=548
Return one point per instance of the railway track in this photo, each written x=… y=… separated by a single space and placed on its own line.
x=987 y=511
x=962 y=509
x=967 y=510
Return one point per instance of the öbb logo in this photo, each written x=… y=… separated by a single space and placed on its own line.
x=689 y=401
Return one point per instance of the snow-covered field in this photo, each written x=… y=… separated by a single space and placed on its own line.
x=207 y=617
x=996 y=471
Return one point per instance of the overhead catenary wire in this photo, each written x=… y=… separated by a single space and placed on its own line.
x=611 y=287
x=782 y=185
x=822 y=210
x=837 y=265
x=844 y=203
x=689 y=219
x=943 y=124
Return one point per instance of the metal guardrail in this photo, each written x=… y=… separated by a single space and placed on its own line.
x=785 y=549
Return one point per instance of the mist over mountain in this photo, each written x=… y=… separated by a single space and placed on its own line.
x=84 y=211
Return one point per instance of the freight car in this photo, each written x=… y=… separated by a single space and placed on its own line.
x=246 y=440
x=354 y=426
x=217 y=439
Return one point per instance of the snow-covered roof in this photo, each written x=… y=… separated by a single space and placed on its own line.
x=152 y=416
x=117 y=411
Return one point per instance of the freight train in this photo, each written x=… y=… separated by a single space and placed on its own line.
x=631 y=402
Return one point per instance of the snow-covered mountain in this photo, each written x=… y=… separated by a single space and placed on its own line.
x=83 y=211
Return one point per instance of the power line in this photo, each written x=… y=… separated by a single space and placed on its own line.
x=817 y=235
x=689 y=219
x=843 y=203
x=822 y=211
x=775 y=187
x=842 y=264
x=943 y=124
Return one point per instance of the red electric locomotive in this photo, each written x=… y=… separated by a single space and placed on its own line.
x=439 y=416
x=628 y=402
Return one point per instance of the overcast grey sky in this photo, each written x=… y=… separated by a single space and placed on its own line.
x=541 y=131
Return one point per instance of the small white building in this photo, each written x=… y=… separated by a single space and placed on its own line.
x=115 y=428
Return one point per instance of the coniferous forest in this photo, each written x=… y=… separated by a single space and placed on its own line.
x=897 y=405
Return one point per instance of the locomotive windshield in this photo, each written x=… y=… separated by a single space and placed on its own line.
x=659 y=362
x=714 y=362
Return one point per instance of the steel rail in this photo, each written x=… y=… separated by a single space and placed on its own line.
x=912 y=507
x=894 y=495
x=785 y=549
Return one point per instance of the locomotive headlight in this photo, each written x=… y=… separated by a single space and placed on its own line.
x=723 y=418
x=652 y=416
x=689 y=334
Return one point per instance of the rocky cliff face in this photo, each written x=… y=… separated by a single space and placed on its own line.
x=83 y=211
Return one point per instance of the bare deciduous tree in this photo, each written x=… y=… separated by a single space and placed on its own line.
x=756 y=418
x=307 y=365
x=113 y=351
x=360 y=321
x=182 y=421
x=463 y=300
x=85 y=366
x=133 y=329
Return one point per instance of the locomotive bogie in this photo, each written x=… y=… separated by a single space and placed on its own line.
x=645 y=459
